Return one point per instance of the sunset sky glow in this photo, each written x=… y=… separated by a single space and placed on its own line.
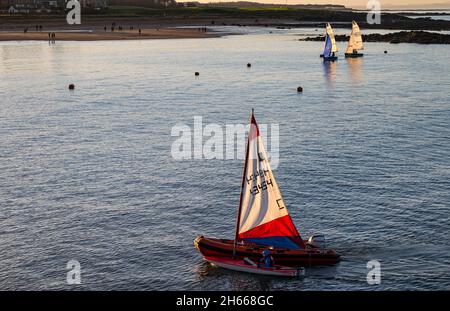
x=356 y=3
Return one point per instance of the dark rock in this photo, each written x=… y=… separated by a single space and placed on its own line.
x=420 y=37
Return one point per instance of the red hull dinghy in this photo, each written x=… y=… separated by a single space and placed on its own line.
x=246 y=265
x=310 y=256
x=263 y=221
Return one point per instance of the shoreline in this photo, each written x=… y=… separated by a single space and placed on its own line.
x=206 y=17
x=96 y=35
x=191 y=24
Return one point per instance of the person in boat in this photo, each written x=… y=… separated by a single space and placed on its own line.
x=266 y=261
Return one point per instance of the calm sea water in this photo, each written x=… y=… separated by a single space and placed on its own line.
x=88 y=175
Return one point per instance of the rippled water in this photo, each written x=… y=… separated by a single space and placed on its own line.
x=88 y=174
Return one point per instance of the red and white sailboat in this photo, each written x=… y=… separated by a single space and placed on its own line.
x=263 y=221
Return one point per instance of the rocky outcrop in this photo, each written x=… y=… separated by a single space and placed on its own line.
x=420 y=37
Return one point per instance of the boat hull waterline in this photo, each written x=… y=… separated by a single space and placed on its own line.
x=330 y=59
x=241 y=266
x=353 y=55
x=223 y=248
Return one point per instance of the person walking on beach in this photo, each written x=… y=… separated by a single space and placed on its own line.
x=139 y=31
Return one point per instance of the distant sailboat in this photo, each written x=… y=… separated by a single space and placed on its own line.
x=330 y=50
x=355 y=42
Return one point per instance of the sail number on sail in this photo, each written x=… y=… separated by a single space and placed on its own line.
x=263 y=185
x=257 y=188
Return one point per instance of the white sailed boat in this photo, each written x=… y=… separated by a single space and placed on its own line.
x=330 y=49
x=355 y=42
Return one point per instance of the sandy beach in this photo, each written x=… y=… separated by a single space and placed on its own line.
x=172 y=23
x=95 y=35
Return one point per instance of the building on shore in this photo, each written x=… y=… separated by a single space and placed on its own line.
x=93 y=4
x=144 y=3
x=39 y=6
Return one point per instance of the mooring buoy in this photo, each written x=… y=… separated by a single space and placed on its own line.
x=71 y=86
x=385 y=52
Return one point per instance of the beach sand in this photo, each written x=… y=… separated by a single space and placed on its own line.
x=95 y=35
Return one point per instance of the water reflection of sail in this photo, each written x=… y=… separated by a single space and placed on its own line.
x=330 y=72
x=355 y=69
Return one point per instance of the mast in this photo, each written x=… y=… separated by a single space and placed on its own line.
x=238 y=218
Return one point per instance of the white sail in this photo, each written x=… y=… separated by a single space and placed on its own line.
x=263 y=218
x=330 y=33
x=355 y=42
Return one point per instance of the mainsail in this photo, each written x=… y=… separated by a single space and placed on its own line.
x=355 y=42
x=263 y=217
x=327 y=49
x=330 y=34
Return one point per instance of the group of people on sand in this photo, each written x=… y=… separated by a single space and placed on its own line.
x=120 y=28
x=38 y=28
